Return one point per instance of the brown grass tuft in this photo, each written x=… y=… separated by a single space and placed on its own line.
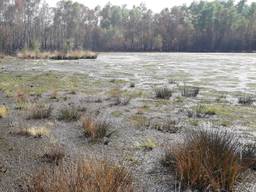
x=95 y=128
x=208 y=161
x=39 y=111
x=55 y=154
x=21 y=95
x=84 y=176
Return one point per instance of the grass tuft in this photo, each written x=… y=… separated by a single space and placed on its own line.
x=95 y=128
x=55 y=154
x=188 y=91
x=208 y=161
x=36 y=132
x=69 y=113
x=147 y=144
x=84 y=176
x=246 y=100
x=163 y=93
x=168 y=125
x=39 y=111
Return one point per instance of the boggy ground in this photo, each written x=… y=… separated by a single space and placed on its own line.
x=119 y=88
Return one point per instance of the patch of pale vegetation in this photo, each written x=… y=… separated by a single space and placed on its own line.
x=3 y=112
x=36 y=132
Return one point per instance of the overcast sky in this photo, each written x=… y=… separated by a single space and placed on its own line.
x=155 y=5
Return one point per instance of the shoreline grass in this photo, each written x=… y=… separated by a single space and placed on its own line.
x=57 y=55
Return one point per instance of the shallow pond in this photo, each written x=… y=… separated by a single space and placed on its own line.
x=230 y=72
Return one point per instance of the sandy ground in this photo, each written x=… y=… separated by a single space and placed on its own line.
x=93 y=86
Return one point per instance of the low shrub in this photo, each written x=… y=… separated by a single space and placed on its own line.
x=39 y=111
x=69 y=113
x=208 y=161
x=95 y=128
x=163 y=93
x=84 y=176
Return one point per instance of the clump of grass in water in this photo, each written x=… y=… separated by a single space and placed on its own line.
x=208 y=161
x=246 y=100
x=163 y=93
x=189 y=91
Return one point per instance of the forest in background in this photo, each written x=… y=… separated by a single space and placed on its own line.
x=201 y=26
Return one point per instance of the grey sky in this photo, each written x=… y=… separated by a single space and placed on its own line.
x=155 y=5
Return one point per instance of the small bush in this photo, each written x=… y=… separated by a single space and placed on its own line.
x=3 y=112
x=246 y=100
x=69 y=114
x=163 y=93
x=188 y=91
x=208 y=161
x=39 y=111
x=84 y=176
x=55 y=154
x=95 y=128
x=36 y=132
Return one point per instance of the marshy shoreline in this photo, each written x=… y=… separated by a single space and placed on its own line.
x=133 y=122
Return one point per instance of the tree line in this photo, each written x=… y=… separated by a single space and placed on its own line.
x=201 y=26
